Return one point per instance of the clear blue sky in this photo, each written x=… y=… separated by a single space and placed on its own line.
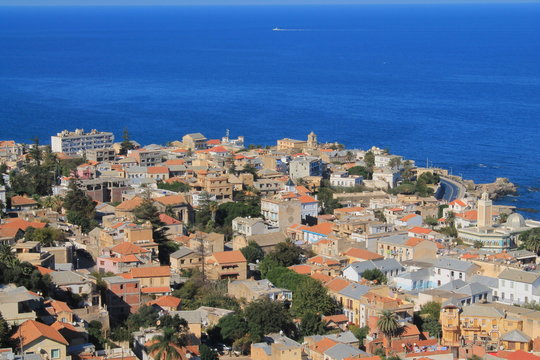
x=228 y=2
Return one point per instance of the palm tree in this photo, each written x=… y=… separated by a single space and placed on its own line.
x=167 y=346
x=7 y=256
x=213 y=206
x=389 y=327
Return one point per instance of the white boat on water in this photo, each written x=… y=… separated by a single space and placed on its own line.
x=276 y=29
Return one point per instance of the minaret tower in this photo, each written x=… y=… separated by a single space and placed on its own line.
x=485 y=211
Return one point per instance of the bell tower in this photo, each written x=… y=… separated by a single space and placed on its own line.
x=312 y=140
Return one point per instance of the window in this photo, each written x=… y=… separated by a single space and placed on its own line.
x=55 y=353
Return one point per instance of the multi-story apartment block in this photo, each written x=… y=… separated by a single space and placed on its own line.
x=74 y=142
x=517 y=286
x=281 y=213
x=100 y=155
x=478 y=323
x=123 y=296
x=196 y=141
x=305 y=166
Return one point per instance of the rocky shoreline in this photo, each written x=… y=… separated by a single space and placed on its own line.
x=497 y=189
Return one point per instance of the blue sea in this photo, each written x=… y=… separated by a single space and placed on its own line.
x=458 y=84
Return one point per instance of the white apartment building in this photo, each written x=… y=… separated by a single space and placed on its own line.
x=518 y=287
x=73 y=142
x=447 y=269
x=345 y=180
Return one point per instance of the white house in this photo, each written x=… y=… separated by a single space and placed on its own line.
x=447 y=269
x=518 y=286
x=343 y=179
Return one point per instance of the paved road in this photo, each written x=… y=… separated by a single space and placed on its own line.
x=451 y=190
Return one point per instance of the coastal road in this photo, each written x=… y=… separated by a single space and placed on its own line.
x=450 y=190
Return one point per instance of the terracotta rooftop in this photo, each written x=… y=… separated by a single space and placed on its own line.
x=131 y=204
x=301 y=269
x=420 y=230
x=228 y=257
x=128 y=248
x=31 y=330
x=166 y=301
x=168 y=220
x=22 y=200
x=154 y=271
x=18 y=223
x=172 y=200
x=363 y=254
x=157 y=170
x=322 y=228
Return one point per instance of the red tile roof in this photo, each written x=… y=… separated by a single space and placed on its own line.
x=31 y=330
x=157 y=170
x=166 y=301
x=420 y=230
x=154 y=271
x=322 y=228
x=229 y=257
x=408 y=217
x=131 y=204
x=168 y=220
x=171 y=200
x=301 y=269
x=18 y=223
x=156 y=290
x=363 y=254
x=128 y=248
x=22 y=200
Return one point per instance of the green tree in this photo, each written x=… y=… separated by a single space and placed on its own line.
x=312 y=297
x=252 y=252
x=7 y=256
x=369 y=160
x=375 y=275
x=126 y=143
x=431 y=310
x=146 y=316
x=264 y=316
x=46 y=236
x=5 y=332
x=326 y=197
x=167 y=346
x=431 y=221
x=286 y=253
x=80 y=208
x=207 y=353
x=232 y=327
x=389 y=327
x=478 y=244
x=95 y=334
x=360 y=170
x=311 y=324
x=176 y=186
x=530 y=240
x=360 y=333
x=433 y=327
x=147 y=211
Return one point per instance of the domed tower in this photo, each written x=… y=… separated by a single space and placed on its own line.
x=312 y=140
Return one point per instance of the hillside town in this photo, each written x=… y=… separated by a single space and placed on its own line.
x=215 y=249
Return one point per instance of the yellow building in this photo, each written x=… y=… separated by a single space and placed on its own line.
x=38 y=338
x=477 y=323
x=276 y=347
